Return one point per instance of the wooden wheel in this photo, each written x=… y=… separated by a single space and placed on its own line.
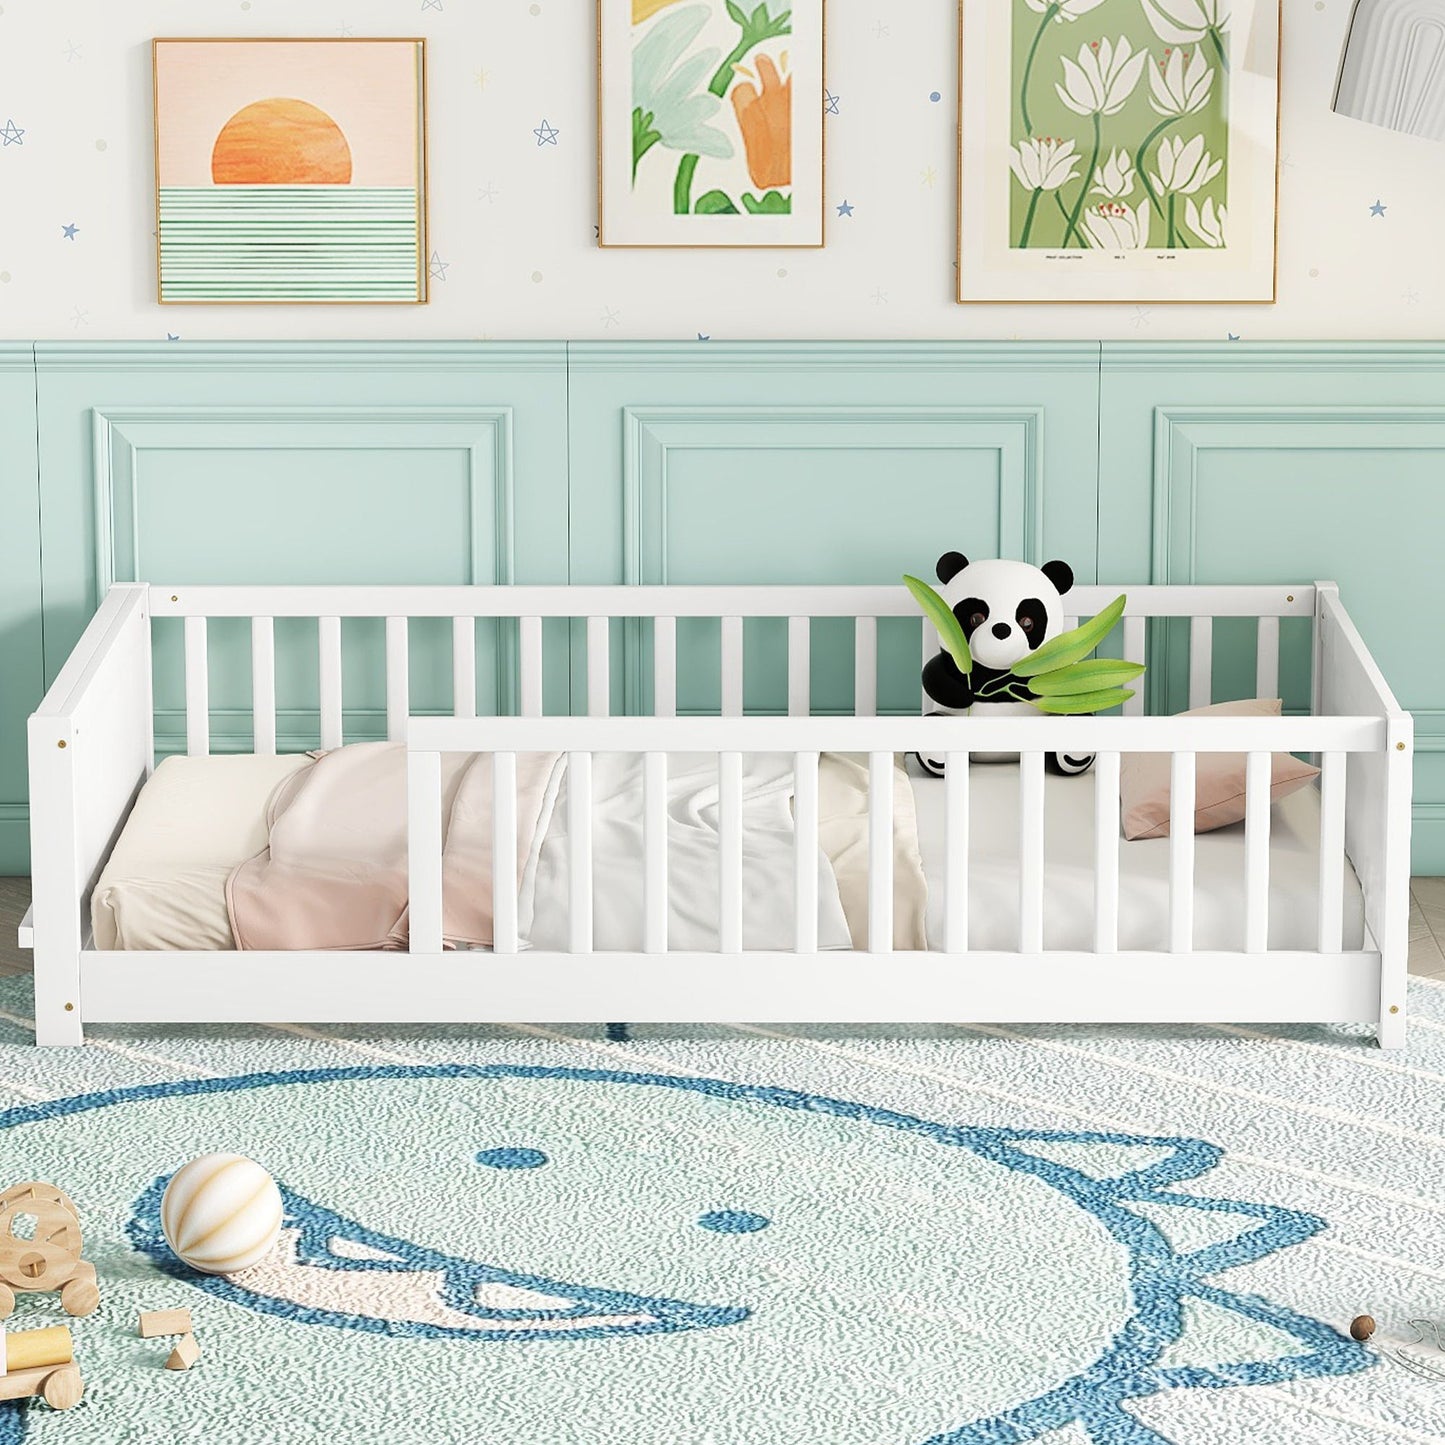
x=7 y=1301
x=80 y=1295
x=63 y=1388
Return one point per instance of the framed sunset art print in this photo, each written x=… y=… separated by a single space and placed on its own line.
x=710 y=122
x=290 y=171
x=1118 y=150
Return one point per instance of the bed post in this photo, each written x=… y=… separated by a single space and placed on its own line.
x=1394 y=937
x=55 y=869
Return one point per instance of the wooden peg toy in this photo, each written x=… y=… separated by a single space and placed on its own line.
x=164 y=1322
x=185 y=1354
x=40 y=1362
x=46 y=1256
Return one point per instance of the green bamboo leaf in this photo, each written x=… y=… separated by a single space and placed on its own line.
x=1073 y=646
x=1084 y=702
x=940 y=614
x=1091 y=676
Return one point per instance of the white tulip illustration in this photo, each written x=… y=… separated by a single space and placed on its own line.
x=1177 y=89
x=1042 y=165
x=1185 y=166
x=1115 y=227
x=1208 y=223
x=1061 y=10
x=1115 y=178
x=1103 y=79
x=1187 y=22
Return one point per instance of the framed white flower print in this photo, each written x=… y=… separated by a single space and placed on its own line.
x=1118 y=150
x=710 y=122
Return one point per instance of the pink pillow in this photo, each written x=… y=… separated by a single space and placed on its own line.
x=1218 y=779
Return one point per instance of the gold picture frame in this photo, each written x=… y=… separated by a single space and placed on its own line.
x=326 y=136
x=1164 y=171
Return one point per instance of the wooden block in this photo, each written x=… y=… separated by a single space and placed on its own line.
x=63 y=1388
x=164 y=1322
x=21 y=1384
x=33 y=1348
x=185 y=1354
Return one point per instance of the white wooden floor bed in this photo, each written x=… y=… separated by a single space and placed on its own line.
x=92 y=747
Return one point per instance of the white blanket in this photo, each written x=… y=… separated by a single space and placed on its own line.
x=692 y=859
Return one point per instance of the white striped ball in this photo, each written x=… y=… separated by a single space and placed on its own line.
x=221 y=1213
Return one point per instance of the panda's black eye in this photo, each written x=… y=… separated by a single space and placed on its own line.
x=1027 y=624
x=977 y=619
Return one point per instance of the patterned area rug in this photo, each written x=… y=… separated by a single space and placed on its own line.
x=566 y=1235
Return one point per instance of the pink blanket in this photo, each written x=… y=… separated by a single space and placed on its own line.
x=334 y=875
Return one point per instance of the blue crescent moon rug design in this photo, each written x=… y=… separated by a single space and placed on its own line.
x=563 y=1236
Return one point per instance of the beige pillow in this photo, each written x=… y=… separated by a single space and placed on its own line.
x=1218 y=779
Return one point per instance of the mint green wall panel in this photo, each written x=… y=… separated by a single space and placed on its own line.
x=1232 y=463
x=20 y=613
x=334 y=463
x=827 y=463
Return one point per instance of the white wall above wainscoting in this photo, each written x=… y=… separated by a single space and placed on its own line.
x=1361 y=209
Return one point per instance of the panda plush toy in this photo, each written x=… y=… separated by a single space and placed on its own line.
x=1007 y=609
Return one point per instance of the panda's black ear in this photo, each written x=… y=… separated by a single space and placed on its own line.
x=1060 y=574
x=950 y=565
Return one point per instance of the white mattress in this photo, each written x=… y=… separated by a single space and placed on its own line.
x=993 y=883
x=197 y=818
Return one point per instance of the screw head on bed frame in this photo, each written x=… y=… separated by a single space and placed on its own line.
x=1394 y=1008
x=1399 y=747
x=61 y=743
x=70 y=1008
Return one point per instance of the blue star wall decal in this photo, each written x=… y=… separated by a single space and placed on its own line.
x=173 y=335
x=703 y=336
x=436 y=267
x=830 y=103
x=845 y=209
x=10 y=134
x=1230 y=336
x=1378 y=210
x=546 y=134
x=70 y=231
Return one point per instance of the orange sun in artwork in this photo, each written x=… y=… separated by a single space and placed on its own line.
x=281 y=142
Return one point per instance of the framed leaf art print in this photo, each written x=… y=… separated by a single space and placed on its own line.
x=710 y=122
x=1118 y=150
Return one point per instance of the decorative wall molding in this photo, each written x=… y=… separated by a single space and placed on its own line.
x=1271 y=356
x=863 y=356
x=232 y=356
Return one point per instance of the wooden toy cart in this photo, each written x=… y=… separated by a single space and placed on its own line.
x=47 y=1258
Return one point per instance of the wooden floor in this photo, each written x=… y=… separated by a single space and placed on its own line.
x=1427 y=926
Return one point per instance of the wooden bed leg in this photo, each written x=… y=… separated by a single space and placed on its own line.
x=1395 y=917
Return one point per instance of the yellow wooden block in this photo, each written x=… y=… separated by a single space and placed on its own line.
x=32 y=1348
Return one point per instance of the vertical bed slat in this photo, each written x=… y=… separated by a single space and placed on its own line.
x=1181 y=853
x=328 y=645
x=800 y=699
x=424 y=851
x=955 y=856
x=865 y=667
x=464 y=667
x=805 y=852
x=1266 y=658
x=1106 y=853
x=1135 y=646
x=1257 y=776
x=654 y=847
x=398 y=679
x=504 y=852
x=664 y=667
x=1333 y=772
x=928 y=650
x=880 y=852
x=263 y=685
x=529 y=646
x=1031 y=852
x=730 y=852
x=579 y=847
x=732 y=667
x=599 y=667
x=1201 y=661
x=198 y=690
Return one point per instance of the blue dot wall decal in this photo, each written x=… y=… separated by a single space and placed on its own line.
x=935 y=96
x=733 y=1221
x=512 y=1158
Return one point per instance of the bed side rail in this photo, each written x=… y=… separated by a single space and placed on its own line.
x=1377 y=816
x=90 y=746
